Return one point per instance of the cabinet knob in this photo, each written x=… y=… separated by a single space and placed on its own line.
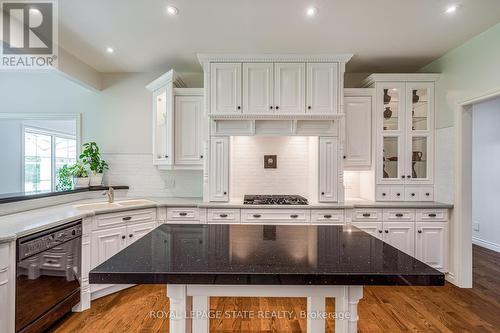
x=123 y=237
x=413 y=194
x=201 y=156
x=166 y=156
x=409 y=176
x=309 y=107
x=271 y=107
x=277 y=107
x=398 y=194
x=131 y=235
x=383 y=194
x=345 y=157
x=223 y=215
x=380 y=231
x=127 y=218
x=386 y=231
x=256 y=215
x=294 y=216
x=327 y=216
x=322 y=193
x=239 y=107
x=225 y=193
x=403 y=176
x=427 y=194
x=419 y=231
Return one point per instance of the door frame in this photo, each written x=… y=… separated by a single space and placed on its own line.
x=461 y=228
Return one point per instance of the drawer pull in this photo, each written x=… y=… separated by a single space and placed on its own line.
x=183 y=214
x=223 y=215
x=383 y=194
x=294 y=216
x=419 y=231
x=399 y=215
x=386 y=231
x=256 y=215
x=327 y=216
x=399 y=194
x=127 y=218
x=432 y=215
x=367 y=214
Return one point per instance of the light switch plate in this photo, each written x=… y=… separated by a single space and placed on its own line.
x=475 y=226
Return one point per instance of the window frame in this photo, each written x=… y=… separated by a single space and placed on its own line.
x=53 y=134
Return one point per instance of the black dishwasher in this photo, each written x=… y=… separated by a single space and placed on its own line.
x=47 y=276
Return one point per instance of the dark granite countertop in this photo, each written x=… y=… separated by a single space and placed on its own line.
x=263 y=255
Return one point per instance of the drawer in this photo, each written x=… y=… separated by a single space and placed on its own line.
x=183 y=214
x=427 y=194
x=273 y=216
x=396 y=215
x=383 y=193
x=397 y=193
x=424 y=215
x=223 y=216
x=127 y=217
x=367 y=214
x=335 y=216
x=412 y=194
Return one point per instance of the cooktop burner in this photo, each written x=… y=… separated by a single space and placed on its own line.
x=274 y=200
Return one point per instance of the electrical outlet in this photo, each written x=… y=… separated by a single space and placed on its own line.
x=475 y=226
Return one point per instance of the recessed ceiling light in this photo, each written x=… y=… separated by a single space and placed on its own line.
x=451 y=9
x=110 y=50
x=312 y=11
x=171 y=10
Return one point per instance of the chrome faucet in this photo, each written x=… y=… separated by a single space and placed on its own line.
x=110 y=193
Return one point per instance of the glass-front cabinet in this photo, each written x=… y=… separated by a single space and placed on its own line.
x=405 y=133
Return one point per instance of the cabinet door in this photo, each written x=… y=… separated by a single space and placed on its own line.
x=390 y=113
x=188 y=130
x=432 y=244
x=289 y=87
x=401 y=235
x=225 y=88
x=322 y=89
x=161 y=126
x=373 y=228
x=358 y=133
x=328 y=169
x=219 y=169
x=136 y=231
x=258 y=88
x=107 y=243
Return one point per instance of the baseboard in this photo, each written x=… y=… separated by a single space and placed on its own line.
x=111 y=289
x=487 y=244
x=450 y=277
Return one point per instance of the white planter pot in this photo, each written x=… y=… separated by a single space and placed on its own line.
x=81 y=182
x=96 y=179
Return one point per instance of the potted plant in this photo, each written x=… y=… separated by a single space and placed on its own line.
x=92 y=158
x=80 y=174
x=64 y=181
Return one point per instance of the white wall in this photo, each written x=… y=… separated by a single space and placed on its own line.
x=485 y=173
x=470 y=70
x=118 y=118
x=295 y=173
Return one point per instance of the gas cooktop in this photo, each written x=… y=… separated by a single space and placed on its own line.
x=274 y=200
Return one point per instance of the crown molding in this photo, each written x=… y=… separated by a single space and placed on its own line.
x=205 y=58
x=170 y=76
x=400 y=77
x=246 y=116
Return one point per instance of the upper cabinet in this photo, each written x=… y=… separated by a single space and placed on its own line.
x=405 y=135
x=267 y=85
x=322 y=88
x=178 y=125
x=225 y=97
x=289 y=87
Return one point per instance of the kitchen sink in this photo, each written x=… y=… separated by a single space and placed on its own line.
x=96 y=206
x=138 y=202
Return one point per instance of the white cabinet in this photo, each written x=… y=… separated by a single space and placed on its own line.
x=137 y=231
x=289 y=87
x=373 y=228
x=188 y=130
x=358 y=132
x=106 y=243
x=258 y=80
x=225 y=88
x=432 y=244
x=7 y=286
x=219 y=169
x=162 y=121
x=328 y=169
x=405 y=133
x=401 y=235
x=322 y=87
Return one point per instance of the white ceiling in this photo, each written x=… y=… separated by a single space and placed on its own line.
x=384 y=35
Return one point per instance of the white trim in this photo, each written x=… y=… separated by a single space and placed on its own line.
x=359 y=92
x=400 y=77
x=486 y=244
x=189 y=91
x=247 y=116
x=170 y=76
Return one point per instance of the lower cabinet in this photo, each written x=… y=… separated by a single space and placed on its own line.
x=432 y=244
x=401 y=235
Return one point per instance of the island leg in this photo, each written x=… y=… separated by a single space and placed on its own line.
x=178 y=306
x=315 y=311
x=345 y=304
x=201 y=308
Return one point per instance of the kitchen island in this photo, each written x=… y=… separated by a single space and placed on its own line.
x=199 y=261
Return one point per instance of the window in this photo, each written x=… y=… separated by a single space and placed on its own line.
x=45 y=152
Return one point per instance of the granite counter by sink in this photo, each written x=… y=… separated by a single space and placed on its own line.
x=263 y=255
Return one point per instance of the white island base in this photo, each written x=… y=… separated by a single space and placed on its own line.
x=193 y=300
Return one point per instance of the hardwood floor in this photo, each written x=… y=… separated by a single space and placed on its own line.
x=382 y=309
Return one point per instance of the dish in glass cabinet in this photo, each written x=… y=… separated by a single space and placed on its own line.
x=387 y=113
